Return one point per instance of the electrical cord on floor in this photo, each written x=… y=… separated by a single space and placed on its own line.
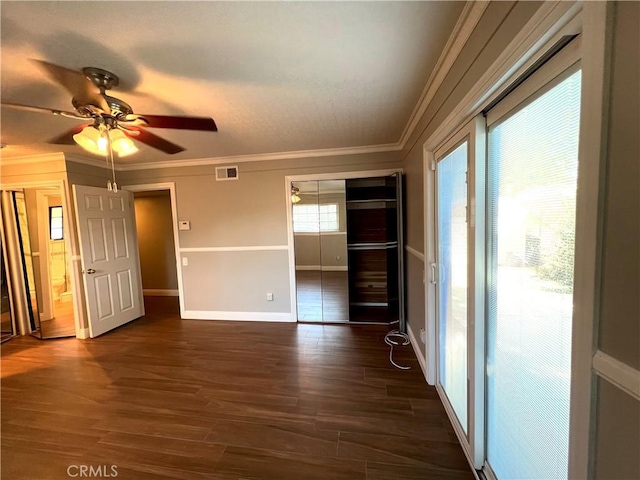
x=395 y=338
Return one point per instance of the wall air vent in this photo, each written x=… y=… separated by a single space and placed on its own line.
x=226 y=173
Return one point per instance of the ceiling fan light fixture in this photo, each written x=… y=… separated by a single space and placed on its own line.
x=91 y=140
x=295 y=198
x=122 y=144
x=95 y=141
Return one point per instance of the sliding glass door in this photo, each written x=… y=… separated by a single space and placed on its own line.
x=504 y=233
x=452 y=246
x=532 y=164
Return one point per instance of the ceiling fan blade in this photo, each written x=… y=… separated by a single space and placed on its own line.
x=179 y=123
x=154 y=141
x=67 y=137
x=30 y=108
x=83 y=91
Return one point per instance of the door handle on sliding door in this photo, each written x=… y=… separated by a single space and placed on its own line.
x=434 y=277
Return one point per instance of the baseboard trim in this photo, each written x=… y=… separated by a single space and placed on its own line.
x=416 y=350
x=160 y=292
x=82 y=334
x=238 y=316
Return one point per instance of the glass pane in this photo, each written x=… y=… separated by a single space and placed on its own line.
x=452 y=291
x=333 y=249
x=533 y=160
x=307 y=248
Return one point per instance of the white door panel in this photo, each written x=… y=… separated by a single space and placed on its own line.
x=110 y=261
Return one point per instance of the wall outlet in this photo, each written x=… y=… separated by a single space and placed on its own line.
x=269 y=297
x=337 y=257
x=185 y=261
x=423 y=336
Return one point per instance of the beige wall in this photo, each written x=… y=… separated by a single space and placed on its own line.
x=500 y=23
x=620 y=312
x=415 y=292
x=155 y=240
x=250 y=212
x=617 y=439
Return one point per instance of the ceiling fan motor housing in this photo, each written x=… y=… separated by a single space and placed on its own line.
x=102 y=79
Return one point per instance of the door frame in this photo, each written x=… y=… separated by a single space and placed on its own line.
x=44 y=244
x=473 y=133
x=288 y=180
x=171 y=186
x=4 y=258
x=76 y=283
x=594 y=21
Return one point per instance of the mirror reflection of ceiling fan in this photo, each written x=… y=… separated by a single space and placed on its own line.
x=109 y=122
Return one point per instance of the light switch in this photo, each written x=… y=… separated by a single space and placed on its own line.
x=184 y=225
x=185 y=261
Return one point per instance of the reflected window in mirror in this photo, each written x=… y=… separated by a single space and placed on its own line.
x=56 y=229
x=316 y=218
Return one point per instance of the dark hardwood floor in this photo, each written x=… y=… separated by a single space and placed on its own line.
x=161 y=398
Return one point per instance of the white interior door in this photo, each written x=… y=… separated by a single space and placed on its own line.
x=110 y=260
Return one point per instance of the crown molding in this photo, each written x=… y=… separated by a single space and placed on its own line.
x=93 y=162
x=35 y=158
x=261 y=157
x=466 y=24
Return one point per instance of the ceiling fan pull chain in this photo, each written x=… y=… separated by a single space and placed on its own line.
x=112 y=185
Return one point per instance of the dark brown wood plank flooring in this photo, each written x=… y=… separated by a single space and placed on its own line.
x=162 y=398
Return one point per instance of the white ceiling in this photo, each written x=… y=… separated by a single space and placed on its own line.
x=275 y=76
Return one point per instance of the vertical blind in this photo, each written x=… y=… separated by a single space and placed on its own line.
x=532 y=179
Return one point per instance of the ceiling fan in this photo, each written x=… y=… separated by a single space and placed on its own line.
x=111 y=121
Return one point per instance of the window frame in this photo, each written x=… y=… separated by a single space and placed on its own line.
x=51 y=218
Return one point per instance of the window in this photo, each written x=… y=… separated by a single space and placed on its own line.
x=316 y=218
x=532 y=184
x=452 y=288
x=55 y=223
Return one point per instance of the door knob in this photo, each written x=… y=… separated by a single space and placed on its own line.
x=90 y=271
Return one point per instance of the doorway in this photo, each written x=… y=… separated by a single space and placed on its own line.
x=346 y=247
x=34 y=223
x=157 y=243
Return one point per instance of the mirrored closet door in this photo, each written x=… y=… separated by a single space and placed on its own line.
x=348 y=249
x=319 y=229
x=41 y=260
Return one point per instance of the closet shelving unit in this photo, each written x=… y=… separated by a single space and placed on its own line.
x=374 y=240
